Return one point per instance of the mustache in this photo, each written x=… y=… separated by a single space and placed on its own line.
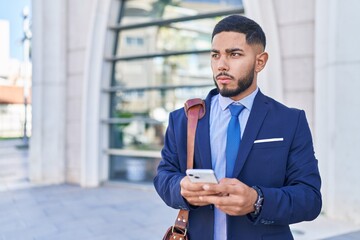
x=224 y=74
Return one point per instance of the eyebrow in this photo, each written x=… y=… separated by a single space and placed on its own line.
x=229 y=50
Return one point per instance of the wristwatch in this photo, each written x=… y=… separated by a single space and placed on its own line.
x=259 y=201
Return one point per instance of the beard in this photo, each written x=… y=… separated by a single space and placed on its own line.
x=242 y=84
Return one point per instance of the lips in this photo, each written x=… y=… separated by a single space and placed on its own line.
x=224 y=79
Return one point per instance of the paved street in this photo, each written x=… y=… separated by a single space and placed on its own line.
x=120 y=211
x=116 y=211
x=70 y=212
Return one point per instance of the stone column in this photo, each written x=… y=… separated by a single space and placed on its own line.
x=289 y=28
x=47 y=143
x=337 y=84
x=97 y=74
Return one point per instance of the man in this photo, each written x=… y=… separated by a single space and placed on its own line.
x=275 y=179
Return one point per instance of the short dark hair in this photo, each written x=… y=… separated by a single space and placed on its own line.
x=237 y=23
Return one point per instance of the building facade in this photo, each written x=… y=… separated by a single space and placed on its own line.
x=15 y=76
x=107 y=72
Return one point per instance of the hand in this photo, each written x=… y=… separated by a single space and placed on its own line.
x=236 y=198
x=192 y=191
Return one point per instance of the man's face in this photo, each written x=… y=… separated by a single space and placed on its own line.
x=233 y=65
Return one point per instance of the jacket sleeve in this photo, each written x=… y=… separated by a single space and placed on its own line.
x=172 y=167
x=300 y=198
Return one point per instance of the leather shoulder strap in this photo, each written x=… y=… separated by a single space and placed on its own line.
x=197 y=103
x=195 y=110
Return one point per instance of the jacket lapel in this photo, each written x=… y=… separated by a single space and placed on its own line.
x=202 y=138
x=257 y=115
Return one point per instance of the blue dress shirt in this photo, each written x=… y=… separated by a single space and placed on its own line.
x=219 y=119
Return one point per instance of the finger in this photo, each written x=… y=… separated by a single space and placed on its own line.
x=186 y=193
x=195 y=201
x=186 y=184
x=220 y=188
x=223 y=201
x=217 y=200
x=227 y=186
x=199 y=200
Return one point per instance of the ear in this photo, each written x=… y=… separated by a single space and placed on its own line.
x=261 y=60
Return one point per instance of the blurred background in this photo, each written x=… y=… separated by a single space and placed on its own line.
x=86 y=86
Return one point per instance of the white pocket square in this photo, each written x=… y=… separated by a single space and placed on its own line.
x=269 y=140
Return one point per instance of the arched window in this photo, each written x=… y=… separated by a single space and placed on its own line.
x=160 y=59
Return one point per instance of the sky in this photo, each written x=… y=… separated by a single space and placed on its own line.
x=11 y=10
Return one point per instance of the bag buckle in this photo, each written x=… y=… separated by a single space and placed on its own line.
x=173 y=230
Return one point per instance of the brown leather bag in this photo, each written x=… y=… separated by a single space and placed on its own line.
x=195 y=110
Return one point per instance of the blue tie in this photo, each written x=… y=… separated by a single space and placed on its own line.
x=233 y=139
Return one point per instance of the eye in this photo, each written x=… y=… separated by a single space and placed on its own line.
x=235 y=54
x=214 y=55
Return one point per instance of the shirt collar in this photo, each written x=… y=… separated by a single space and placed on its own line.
x=247 y=101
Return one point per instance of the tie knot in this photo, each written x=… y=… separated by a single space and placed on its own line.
x=235 y=109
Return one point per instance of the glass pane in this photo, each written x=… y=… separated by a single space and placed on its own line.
x=191 y=69
x=141 y=116
x=137 y=11
x=181 y=36
x=145 y=90
x=133 y=169
x=149 y=105
x=136 y=132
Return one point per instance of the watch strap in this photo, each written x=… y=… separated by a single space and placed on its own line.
x=259 y=201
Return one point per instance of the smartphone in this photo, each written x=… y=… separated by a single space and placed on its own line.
x=202 y=175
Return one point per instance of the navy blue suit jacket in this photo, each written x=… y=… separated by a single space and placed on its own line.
x=286 y=171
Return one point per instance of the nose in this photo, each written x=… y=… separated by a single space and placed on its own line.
x=222 y=64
